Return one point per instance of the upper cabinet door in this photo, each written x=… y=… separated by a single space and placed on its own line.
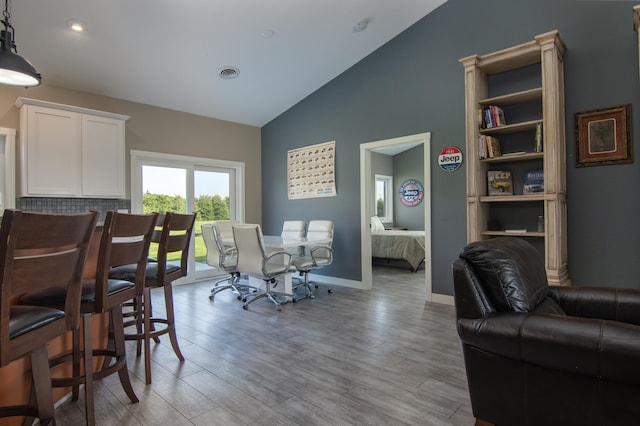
x=51 y=140
x=103 y=173
x=68 y=151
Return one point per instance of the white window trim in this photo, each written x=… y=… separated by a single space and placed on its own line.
x=189 y=163
x=388 y=196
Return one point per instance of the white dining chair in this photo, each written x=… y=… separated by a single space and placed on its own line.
x=254 y=260
x=224 y=259
x=291 y=230
x=319 y=256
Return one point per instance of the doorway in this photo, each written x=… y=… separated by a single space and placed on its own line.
x=212 y=188
x=367 y=201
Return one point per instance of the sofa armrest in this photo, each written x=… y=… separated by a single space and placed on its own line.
x=614 y=304
x=590 y=347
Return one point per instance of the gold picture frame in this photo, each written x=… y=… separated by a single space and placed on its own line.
x=603 y=136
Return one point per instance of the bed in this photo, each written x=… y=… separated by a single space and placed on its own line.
x=396 y=244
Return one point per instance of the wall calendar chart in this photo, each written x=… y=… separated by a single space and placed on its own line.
x=311 y=171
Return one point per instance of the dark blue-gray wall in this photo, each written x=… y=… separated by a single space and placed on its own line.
x=408 y=165
x=414 y=84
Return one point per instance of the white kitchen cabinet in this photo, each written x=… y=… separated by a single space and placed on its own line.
x=102 y=157
x=68 y=151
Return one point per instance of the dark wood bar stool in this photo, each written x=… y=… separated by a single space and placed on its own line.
x=125 y=240
x=173 y=238
x=39 y=251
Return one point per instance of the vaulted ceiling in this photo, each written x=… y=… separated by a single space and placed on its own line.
x=169 y=53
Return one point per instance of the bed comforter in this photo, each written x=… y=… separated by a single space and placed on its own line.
x=395 y=244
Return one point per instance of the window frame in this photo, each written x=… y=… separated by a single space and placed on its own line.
x=388 y=197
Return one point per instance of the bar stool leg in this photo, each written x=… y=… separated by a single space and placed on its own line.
x=88 y=370
x=146 y=304
x=117 y=324
x=42 y=385
x=168 y=301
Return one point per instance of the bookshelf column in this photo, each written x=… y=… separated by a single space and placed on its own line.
x=541 y=101
x=476 y=83
x=552 y=50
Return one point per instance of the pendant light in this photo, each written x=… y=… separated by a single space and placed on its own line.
x=14 y=69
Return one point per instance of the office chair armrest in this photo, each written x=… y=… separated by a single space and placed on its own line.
x=321 y=252
x=286 y=257
x=230 y=251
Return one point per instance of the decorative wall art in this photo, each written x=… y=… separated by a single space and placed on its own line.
x=603 y=136
x=311 y=171
x=411 y=192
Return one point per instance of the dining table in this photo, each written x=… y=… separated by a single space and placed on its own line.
x=274 y=243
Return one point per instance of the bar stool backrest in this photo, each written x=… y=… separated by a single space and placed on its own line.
x=39 y=251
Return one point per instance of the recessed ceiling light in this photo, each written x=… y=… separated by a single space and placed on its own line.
x=228 y=72
x=361 y=25
x=267 y=33
x=76 y=26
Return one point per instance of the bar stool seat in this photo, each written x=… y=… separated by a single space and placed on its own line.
x=24 y=319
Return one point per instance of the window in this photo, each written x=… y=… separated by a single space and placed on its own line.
x=212 y=188
x=384 y=198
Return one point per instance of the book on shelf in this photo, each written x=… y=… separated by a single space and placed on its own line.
x=538 y=138
x=493 y=116
x=489 y=147
x=493 y=147
x=499 y=182
x=533 y=182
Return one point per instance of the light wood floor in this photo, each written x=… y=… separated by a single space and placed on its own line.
x=379 y=357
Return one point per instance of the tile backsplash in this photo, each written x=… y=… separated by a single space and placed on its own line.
x=71 y=205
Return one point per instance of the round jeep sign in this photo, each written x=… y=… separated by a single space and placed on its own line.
x=411 y=192
x=450 y=159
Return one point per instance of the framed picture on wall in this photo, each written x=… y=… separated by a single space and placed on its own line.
x=603 y=136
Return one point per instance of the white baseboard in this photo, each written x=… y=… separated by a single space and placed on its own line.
x=442 y=299
x=320 y=279
x=435 y=297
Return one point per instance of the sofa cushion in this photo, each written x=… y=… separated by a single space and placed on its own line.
x=511 y=270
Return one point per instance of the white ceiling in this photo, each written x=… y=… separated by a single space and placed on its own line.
x=167 y=53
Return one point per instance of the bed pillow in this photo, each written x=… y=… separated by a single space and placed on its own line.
x=376 y=224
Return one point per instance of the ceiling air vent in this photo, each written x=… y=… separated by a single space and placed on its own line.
x=228 y=73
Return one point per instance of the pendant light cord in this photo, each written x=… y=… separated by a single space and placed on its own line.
x=9 y=35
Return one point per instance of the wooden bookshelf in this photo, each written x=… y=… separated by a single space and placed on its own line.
x=546 y=52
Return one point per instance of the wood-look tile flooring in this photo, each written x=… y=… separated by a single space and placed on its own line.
x=379 y=357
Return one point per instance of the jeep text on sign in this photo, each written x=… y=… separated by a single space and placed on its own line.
x=450 y=158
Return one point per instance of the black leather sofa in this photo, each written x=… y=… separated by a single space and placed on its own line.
x=541 y=355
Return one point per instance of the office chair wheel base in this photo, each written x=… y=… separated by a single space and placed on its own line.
x=239 y=298
x=211 y=297
x=330 y=291
x=244 y=299
x=245 y=307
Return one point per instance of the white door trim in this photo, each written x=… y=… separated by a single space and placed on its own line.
x=366 y=203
